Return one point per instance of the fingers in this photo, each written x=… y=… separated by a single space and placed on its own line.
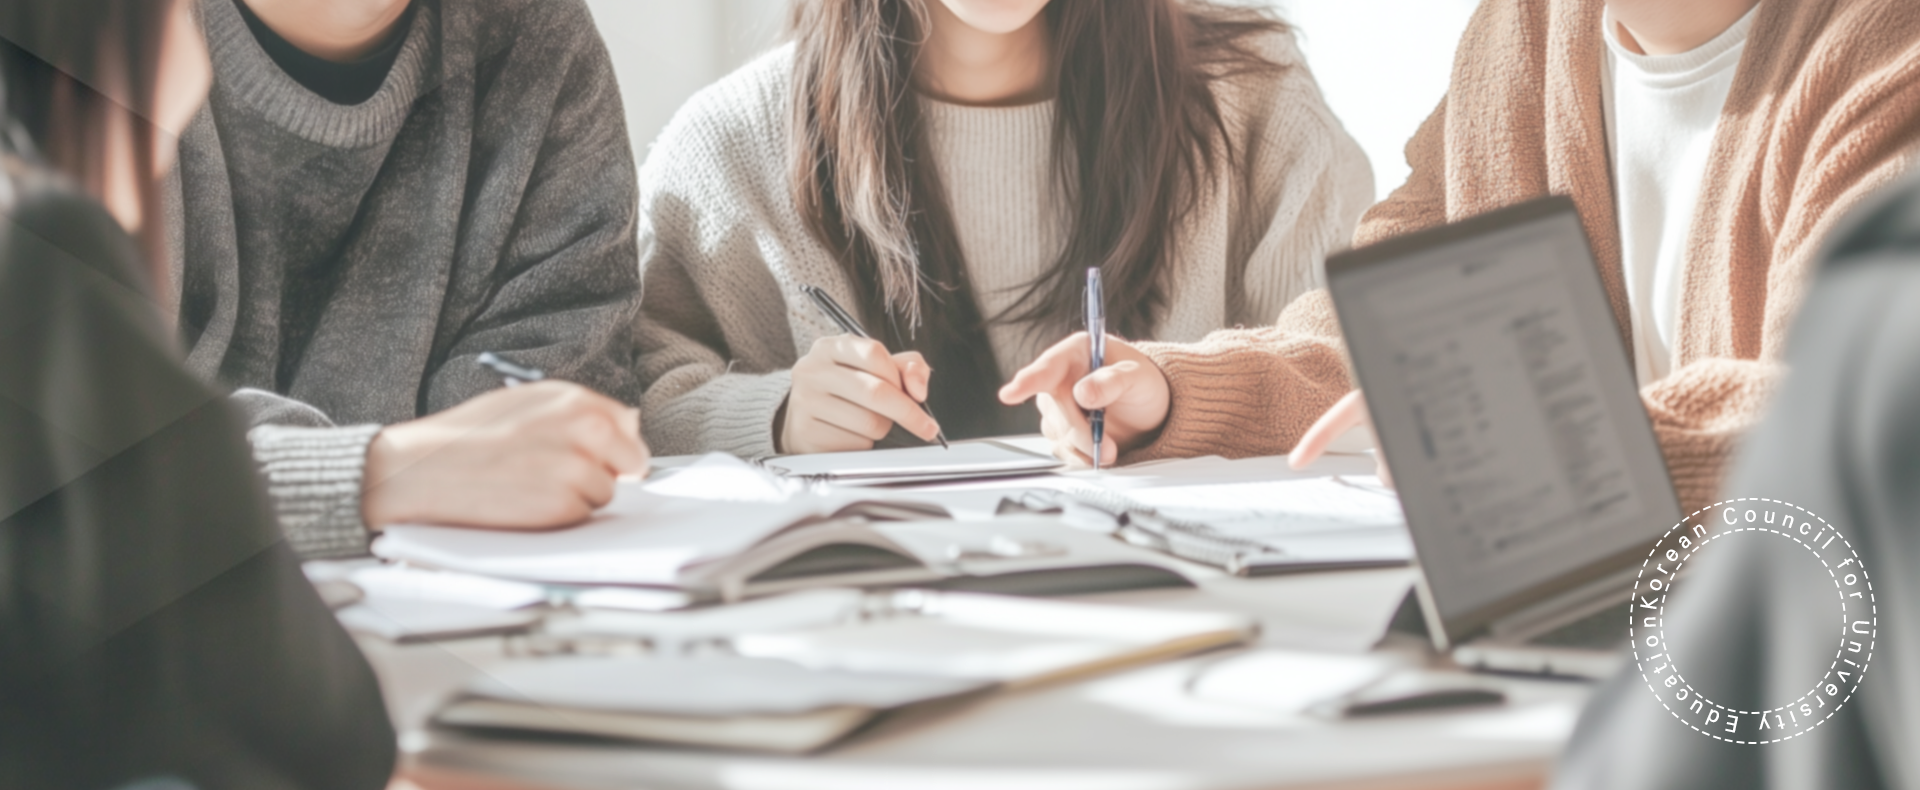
x=821 y=436
x=879 y=397
x=864 y=355
x=643 y=459
x=1349 y=411
x=594 y=486
x=1107 y=385
x=851 y=417
x=916 y=375
x=613 y=444
x=869 y=377
x=1051 y=372
x=1071 y=433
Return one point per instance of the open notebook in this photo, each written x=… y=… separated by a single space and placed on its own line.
x=717 y=550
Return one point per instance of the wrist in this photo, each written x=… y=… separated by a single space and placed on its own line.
x=780 y=442
x=380 y=504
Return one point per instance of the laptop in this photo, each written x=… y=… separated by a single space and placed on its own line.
x=1504 y=398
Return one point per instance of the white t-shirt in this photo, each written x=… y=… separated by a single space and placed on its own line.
x=1662 y=111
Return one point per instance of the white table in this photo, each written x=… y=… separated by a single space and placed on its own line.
x=1138 y=728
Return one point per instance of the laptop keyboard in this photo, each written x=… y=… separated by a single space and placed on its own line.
x=1602 y=630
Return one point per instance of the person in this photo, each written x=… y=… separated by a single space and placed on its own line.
x=948 y=170
x=377 y=193
x=1708 y=144
x=155 y=628
x=1839 y=441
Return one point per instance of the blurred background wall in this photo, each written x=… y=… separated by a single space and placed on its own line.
x=1383 y=64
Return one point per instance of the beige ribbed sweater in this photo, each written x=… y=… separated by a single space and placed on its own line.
x=722 y=319
x=1824 y=109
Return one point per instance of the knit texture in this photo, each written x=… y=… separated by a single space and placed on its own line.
x=1825 y=108
x=314 y=476
x=724 y=318
x=352 y=261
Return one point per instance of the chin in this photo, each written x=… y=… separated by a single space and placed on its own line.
x=996 y=16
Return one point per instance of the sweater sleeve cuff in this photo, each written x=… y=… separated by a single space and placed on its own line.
x=1202 y=401
x=730 y=414
x=1240 y=393
x=314 y=477
x=746 y=428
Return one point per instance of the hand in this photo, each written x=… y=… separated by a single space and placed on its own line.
x=848 y=392
x=1130 y=387
x=536 y=456
x=1346 y=414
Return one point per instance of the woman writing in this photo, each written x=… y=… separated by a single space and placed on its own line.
x=948 y=170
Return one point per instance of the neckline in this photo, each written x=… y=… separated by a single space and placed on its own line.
x=345 y=83
x=245 y=75
x=947 y=106
x=1681 y=68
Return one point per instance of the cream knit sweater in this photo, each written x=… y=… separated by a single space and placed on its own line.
x=725 y=253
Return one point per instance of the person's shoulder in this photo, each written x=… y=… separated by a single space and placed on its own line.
x=1887 y=22
x=31 y=194
x=1274 y=95
x=50 y=220
x=742 y=118
x=556 y=29
x=1859 y=37
x=1278 y=45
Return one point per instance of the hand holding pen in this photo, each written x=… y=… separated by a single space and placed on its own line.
x=535 y=454
x=849 y=391
x=1080 y=376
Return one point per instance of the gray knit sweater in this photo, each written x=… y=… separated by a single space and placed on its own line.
x=727 y=253
x=343 y=265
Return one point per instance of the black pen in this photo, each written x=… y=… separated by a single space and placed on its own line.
x=514 y=375
x=841 y=318
x=1097 y=351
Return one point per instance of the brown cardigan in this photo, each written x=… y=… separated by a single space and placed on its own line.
x=1825 y=108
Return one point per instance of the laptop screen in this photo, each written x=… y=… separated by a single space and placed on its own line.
x=1504 y=400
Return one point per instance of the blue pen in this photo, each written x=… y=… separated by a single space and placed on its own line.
x=1097 y=348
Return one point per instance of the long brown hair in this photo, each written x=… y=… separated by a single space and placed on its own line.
x=1138 y=136
x=71 y=68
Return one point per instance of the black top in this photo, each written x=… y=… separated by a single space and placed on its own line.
x=153 y=621
x=340 y=83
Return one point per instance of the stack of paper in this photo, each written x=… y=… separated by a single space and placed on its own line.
x=802 y=670
x=745 y=703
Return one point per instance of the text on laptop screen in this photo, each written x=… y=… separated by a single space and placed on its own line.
x=1507 y=408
